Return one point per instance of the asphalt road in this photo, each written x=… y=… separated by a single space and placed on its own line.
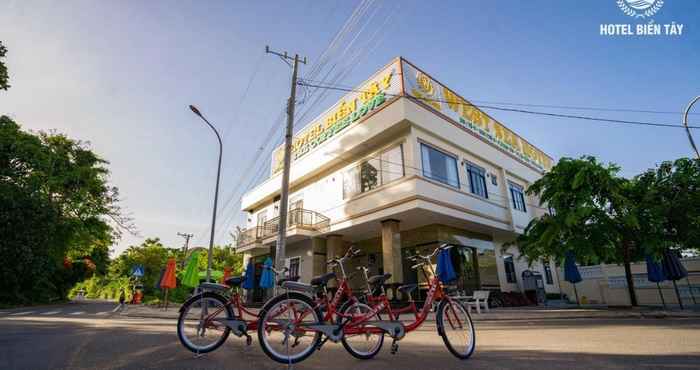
x=90 y=336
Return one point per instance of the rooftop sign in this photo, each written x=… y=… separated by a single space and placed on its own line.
x=438 y=97
x=405 y=79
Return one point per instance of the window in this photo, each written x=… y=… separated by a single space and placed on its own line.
x=294 y=266
x=510 y=269
x=374 y=172
x=548 y=273
x=518 y=197
x=439 y=166
x=477 y=180
x=262 y=217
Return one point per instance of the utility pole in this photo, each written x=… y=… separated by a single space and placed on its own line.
x=687 y=130
x=187 y=244
x=280 y=252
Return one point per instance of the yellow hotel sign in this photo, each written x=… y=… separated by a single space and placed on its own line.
x=388 y=83
x=437 y=96
x=354 y=106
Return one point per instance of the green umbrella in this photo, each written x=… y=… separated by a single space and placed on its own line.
x=190 y=277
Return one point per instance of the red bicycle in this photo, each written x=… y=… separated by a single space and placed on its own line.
x=207 y=318
x=303 y=318
x=294 y=314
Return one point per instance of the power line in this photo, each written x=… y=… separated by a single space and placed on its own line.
x=553 y=106
x=515 y=110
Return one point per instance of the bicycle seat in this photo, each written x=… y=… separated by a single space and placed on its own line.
x=379 y=279
x=408 y=288
x=291 y=278
x=234 y=281
x=213 y=286
x=322 y=279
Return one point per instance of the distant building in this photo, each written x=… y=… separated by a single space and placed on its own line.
x=397 y=167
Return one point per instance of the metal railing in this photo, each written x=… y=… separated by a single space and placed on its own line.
x=298 y=217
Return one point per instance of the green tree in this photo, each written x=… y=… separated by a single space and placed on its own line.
x=673 y=198
x=597 y=215
x=55 y=203
x=4 y=78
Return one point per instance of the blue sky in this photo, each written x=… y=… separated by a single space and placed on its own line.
x=120 y=75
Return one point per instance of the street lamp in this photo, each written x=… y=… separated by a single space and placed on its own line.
x=687 y=130
x=216 y=192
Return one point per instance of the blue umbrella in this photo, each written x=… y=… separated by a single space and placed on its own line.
x=267 y=280
x=571 y=273
x=445 y=270
x=675 y=270
x=655 y=274
x=249 y=281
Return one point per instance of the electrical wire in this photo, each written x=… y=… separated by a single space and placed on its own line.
x=515 y=110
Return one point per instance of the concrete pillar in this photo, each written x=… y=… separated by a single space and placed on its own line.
x=334 y=247
x=391 y=250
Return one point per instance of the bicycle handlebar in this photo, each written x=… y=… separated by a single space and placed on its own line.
x=426 y=259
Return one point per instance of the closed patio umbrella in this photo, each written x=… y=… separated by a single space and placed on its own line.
x=445 y=270
x=168 y=282
x=571 y=273
x=191 y=276
x=267 y=280
x=227 y=274
x=674 y=270
x=249 y=281
x=655 y=274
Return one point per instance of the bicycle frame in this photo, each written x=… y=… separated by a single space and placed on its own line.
x=237 y=304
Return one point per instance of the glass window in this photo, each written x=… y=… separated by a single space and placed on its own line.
x=488 y=272
x=548 y=273
x=294 y=266
x=439 y=166
x=374 y=172
x=369 y=175
x=518 y=197
x=392 y=164
x=510 y=269
x=477 y=180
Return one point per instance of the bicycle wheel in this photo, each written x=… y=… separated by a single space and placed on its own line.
x=198 y=327
x=363 y=345
x=282 y=330
x=456 y=328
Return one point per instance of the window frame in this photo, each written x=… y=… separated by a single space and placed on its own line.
x=518 y=202
x=511 y=275
x=479 y=172
x=288 y=264
x=427 y=175
x=548 y=278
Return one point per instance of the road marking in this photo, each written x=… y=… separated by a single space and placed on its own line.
x=102 y=313
x=21 y=313
x=77 y=313
x=50 y=312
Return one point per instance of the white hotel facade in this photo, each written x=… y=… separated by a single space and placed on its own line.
x=396 y=167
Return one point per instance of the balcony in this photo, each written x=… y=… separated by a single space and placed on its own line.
x=299 y=220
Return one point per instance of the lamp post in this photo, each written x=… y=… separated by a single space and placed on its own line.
x=216 y=192
x=687 y=130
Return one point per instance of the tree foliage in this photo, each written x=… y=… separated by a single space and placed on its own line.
x=56 y=204
x=4 y=78
x=602 y=217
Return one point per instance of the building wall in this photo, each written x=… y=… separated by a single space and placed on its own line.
x=605 y=284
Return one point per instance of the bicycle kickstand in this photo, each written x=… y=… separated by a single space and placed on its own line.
x=321 y=343
x=394 y=346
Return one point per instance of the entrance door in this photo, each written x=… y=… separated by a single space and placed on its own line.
x=467 y=269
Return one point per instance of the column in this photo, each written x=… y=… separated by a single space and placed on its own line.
x=334 y=247
x=391 y=250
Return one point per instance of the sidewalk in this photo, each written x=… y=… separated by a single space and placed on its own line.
x=531 y=313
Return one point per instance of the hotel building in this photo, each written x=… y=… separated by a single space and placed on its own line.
x=398 y=166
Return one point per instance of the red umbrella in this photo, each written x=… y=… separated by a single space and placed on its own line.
x=168 y=282
x=227 y=274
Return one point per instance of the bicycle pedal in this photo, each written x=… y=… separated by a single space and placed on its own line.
x=248 y=340
x=394 y=348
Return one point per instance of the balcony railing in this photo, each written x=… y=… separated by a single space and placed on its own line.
x=298 y=217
